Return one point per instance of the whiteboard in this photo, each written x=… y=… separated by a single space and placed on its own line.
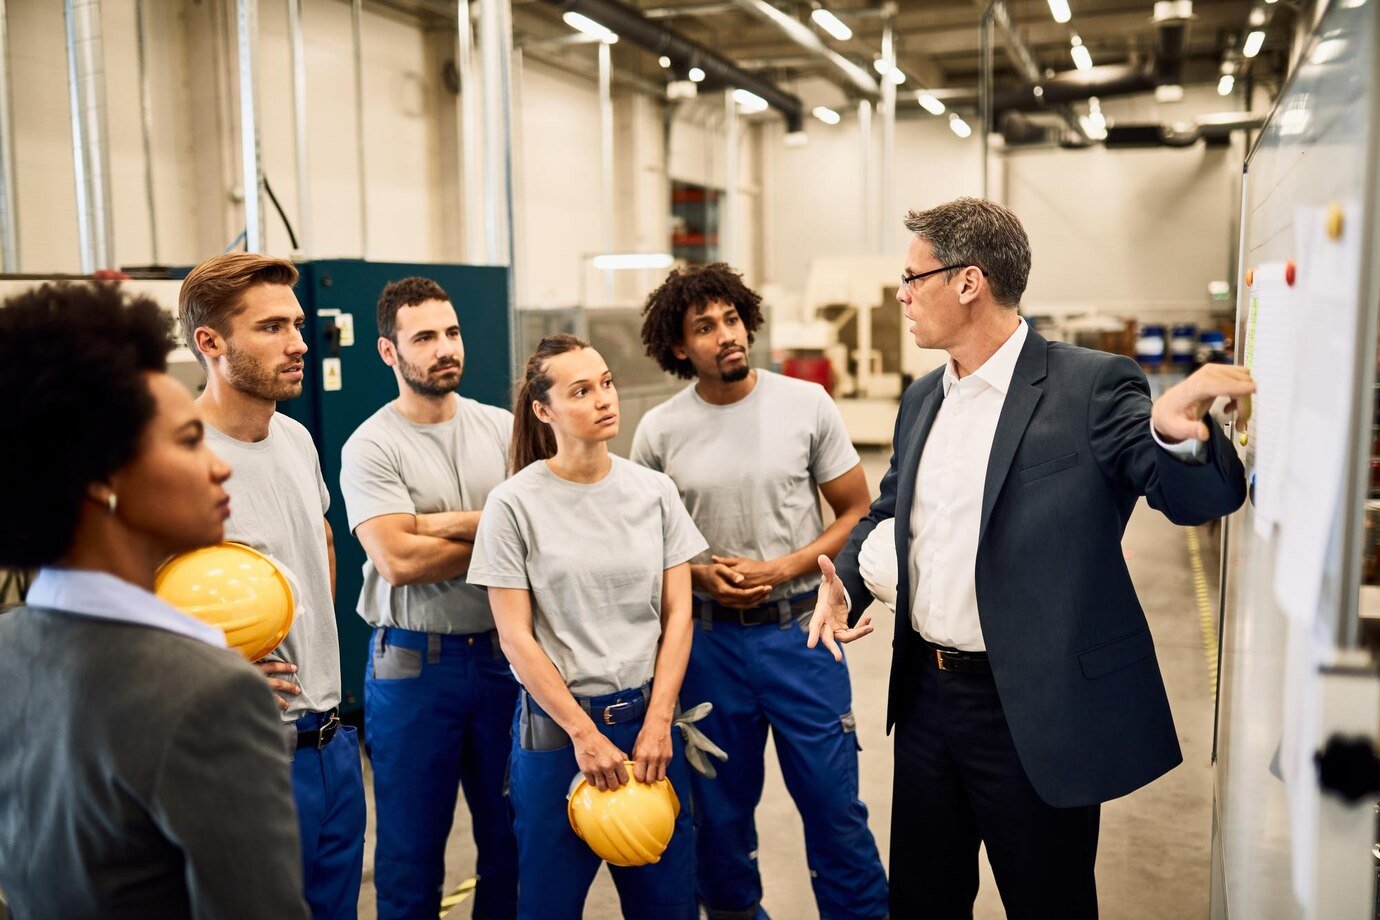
x=1318 y=148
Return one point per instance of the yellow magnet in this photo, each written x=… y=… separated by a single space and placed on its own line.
x=1334 y=221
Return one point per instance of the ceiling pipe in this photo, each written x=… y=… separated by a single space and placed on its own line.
x=1107 y=80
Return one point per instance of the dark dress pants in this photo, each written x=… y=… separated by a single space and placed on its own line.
x=958 y=783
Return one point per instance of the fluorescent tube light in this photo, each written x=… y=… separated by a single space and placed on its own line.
x=831 y=24
x=589 y=27
x=930 y=104
x=749 y=102
x=826 y=115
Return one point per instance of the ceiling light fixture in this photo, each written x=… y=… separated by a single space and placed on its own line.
x=750 y=103
x=1082 y=58
x=831 y=24
x=581 y=23
x=1254 y=42
x=1059 y=9
x=930 y=103
x=958 y=126
x=826 y=115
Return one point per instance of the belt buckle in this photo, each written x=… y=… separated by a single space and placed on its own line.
x=608 y=711
x=327 y=730
x=939 y=659
x=742 y=617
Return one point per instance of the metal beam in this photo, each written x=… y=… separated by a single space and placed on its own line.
x=299 y=124
x=9 y=212
x=90 y=139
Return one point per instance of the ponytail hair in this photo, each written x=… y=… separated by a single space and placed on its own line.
x=533 y=439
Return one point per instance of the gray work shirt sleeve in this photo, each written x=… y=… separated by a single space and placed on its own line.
x=499 y=559
x=681 y=539
x=643 y=453
x=831 y=452
x=371 y=483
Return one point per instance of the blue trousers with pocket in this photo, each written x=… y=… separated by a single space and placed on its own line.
x=759 y=678
x=556 y=867
x=328 y=787
x=437 y=711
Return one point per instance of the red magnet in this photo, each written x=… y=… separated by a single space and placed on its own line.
x=1289 y=273
x=1250 y=277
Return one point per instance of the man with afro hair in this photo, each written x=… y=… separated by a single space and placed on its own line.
x=750 y=452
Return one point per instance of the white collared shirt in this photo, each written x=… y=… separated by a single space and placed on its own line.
x=103 y=596
x=947 y=512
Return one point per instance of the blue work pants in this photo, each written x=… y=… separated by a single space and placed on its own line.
x=556 y=867
x=328 y=787
x=761 y=677
x=437 y=710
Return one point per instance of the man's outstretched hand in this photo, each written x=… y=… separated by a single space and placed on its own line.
x=830 y=619
x=1178 y=414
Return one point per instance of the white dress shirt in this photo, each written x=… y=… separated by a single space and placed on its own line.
x=947 y=509
x=105 y=597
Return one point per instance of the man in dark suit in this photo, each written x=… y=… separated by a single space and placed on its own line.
x=1024 y=686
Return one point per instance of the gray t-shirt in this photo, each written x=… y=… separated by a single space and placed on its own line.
x=593 y=556
x=277 y=504
x=393 y=466
x=749 y=472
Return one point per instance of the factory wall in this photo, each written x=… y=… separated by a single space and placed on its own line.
x=1096 y=217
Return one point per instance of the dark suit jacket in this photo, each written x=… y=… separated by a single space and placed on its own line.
x=1069 y=646
x=142 y=774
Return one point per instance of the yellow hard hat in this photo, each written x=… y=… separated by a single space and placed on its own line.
x=628 y=826
x=234 y=587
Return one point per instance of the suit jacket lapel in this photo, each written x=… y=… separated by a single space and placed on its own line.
x=909 y=461
x=1021 y=399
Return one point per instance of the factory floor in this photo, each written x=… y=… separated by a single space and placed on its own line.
x=1153 y=860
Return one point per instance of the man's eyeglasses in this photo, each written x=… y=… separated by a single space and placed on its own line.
x=920 y=276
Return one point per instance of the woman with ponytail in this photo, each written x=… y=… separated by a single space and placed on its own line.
x=586 y=557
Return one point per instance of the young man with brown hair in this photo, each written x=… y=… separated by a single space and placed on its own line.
x=438 y=694
x=241 y=319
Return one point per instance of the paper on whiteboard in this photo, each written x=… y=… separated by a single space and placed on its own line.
x=1327 y=301
x=1270 y=354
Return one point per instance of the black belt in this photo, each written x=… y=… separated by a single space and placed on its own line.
x=611 y=709
x=320 y=737
x=948 y=659
x=782 y=612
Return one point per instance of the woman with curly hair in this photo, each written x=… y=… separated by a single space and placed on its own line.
x=143 y=772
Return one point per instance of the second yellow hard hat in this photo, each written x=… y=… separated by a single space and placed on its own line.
x=628 y=826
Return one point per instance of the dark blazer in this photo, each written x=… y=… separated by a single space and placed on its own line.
x=142 y=774
x=1068 y=642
